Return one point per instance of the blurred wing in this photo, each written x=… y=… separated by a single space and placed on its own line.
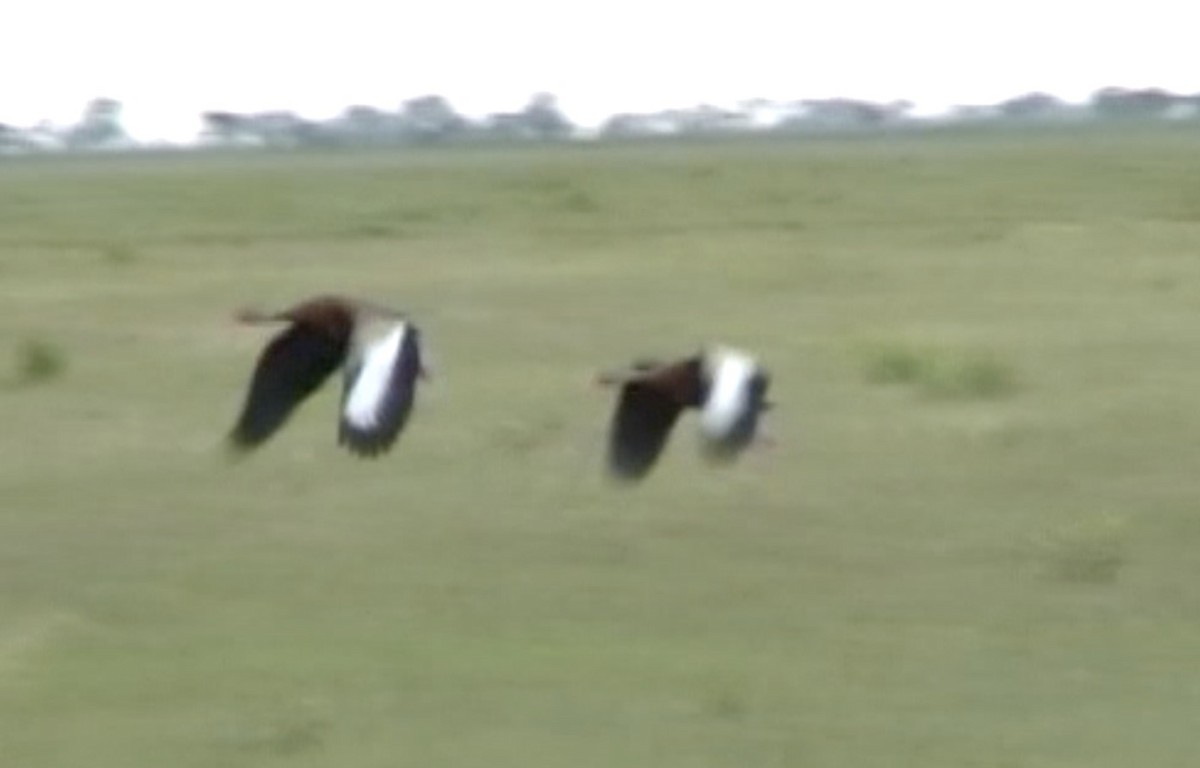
x=640 y=428
x=379 y=391
x=293 y=366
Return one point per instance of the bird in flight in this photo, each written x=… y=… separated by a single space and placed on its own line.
x=378 y=349
x=727 y=386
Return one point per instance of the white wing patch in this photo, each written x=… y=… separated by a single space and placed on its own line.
x=730 y=373
x=365 y=402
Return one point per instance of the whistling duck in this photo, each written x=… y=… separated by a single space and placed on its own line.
x=727 y=386
x=378 y=348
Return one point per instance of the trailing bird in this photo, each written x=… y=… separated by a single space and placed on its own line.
x=380 y=353
x=727 y=386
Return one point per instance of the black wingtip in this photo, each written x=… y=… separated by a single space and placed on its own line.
x=239 y=440
x=234 y=449
x=624 y=469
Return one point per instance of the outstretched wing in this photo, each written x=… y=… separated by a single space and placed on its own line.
x=640 y=427
x=293 y=366
x=379 y=390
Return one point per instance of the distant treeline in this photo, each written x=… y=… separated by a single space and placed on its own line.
x=433 y=119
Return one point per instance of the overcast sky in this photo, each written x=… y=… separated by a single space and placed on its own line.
x=168 y=60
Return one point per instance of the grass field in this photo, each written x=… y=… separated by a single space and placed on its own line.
x=975 y=544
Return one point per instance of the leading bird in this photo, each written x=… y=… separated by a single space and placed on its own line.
x=379 y=350
x=727 y=386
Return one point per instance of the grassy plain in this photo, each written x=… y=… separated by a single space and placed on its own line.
x=975 y=544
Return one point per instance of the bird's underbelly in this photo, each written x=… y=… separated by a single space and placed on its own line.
x=724 y=411
x=371 y=382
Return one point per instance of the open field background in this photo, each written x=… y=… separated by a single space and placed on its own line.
x=975 y=544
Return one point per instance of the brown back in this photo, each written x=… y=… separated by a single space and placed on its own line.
x=332 y=316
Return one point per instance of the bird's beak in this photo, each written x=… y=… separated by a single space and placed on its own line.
x=251 y=316
x=607 y=379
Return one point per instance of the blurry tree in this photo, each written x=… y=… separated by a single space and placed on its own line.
x=541 y=119
x=707 y=119
x=1032 y=106
x=366 y=125
x=431 y=118
x=270 y=129
x=227 y=128
x=544 y=120
x=1132 y=103
x=284 y=129
x=11 y=139
x=46 y=136
x=898 y=110
x=840 y=114
x=849 y=113
x=310 y=133
x=844 y=114
x=1187 y=107
x=506 y=126
x=99 y=127
x=370 y=123
x=973 y=113
x=626 y=125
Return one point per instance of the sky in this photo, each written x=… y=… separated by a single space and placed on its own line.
x=169 y=60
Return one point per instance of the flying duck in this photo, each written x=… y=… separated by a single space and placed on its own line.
x=379 y=350
x=727 y=386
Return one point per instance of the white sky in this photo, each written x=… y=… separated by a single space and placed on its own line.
x=168 y=60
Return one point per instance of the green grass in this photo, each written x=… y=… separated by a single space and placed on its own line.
x=991 y=561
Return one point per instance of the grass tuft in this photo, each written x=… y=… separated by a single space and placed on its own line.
x=119 y=254
x=577 y=201
x=726 y=705
x=940 y=373
x=895 y=363
x=971 y=376
x=1086 y=552
x=38 y=362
